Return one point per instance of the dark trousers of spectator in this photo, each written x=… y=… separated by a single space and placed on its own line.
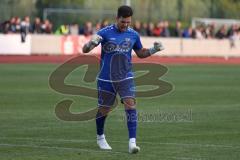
x=23 y=36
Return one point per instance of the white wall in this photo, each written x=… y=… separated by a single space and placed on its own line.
x=11 y=45
x=46 y=44
x=52 y=44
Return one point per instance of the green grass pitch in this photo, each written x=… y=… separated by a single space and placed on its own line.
x=205 y=102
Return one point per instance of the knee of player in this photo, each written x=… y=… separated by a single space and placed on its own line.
x=104 y=110
x=129 y=103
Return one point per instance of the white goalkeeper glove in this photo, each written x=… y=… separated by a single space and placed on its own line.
x=96 y=39
x=157 y=46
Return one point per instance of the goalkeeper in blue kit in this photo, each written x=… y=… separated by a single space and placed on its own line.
x=115 y=75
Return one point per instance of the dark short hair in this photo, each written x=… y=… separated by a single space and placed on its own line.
x=124 y=11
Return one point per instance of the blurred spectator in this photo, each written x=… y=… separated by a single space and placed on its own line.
x=150 y=29
x=47 y=27
x=25 y=28
x=5 y=27
x=18 y=24
x=203 y=30
x=199 y=32
x=177 y=32
x=234 y=37
x=141 y=28
x=62 y=30
x=37 y=26
x=210 y=31
x=74 y=29
x=104 y=23
x=189 y=33
x=144 y=29
x=97 y=27
x=165 y=30
x=26 y=25
x=87 y=29
x=157 y=30
x=233 y=29
x=137 y=26
x=12 y=25
x=221 y=33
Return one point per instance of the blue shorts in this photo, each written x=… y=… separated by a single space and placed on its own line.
x=107 y=91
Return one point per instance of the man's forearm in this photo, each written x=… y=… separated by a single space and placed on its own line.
x=88 y=47
x=143 y=53
x=94 y=42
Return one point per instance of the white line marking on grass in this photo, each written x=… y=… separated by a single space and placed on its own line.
x=57 y=148
x=194 y=145
x=187 y=158
x=143 y=142
x=86 y=150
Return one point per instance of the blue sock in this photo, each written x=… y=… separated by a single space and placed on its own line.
x=131 y=115
x=100 y=120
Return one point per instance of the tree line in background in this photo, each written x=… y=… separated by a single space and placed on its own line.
x=145 y=10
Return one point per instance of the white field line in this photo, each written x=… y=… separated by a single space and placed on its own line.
x=56 y=147
x=141 y=142
x=187 y=158
x=86 y=150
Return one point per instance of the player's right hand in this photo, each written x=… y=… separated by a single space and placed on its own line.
x=158 y=46
x=96 y=39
